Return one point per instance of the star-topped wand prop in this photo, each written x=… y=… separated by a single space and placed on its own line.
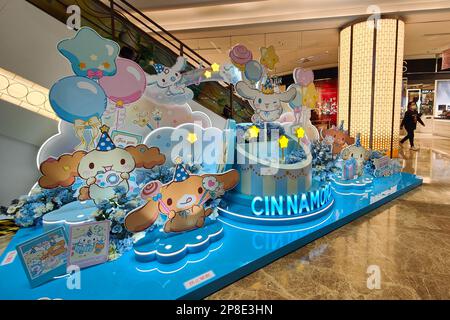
x=283 y=141
x=253 y=132
x=300 y=133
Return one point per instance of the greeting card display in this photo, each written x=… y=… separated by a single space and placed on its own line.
x=44 y=257
x=89 y=243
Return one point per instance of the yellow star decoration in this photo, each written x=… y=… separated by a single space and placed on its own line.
x=192 y=137
x=300 y=132
x=104 y=128
x=253 y=131
x=178 y=160
x=207 y=74
x=215 y=67
x=283 y=142
x=269 y=57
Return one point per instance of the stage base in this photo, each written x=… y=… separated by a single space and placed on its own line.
x=242 y=249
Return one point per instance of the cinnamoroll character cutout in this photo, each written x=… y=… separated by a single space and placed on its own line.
x=104 y=168
x=267 y=104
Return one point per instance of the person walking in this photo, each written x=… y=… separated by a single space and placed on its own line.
x=410 y=123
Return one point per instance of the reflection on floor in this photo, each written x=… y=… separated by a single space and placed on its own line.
x=4 y=240
x=408 y=240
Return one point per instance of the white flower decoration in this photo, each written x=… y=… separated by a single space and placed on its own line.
x=210 y=183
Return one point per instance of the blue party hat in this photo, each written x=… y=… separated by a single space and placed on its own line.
x=105 y=143
x=159 y=67
x=341 y=126
x=181 y=173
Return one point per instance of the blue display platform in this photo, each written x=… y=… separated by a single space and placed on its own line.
x=243 y=249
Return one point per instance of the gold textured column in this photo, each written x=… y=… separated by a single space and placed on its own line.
x=370 y=81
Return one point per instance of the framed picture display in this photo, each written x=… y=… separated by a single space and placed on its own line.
x=44 y=257
x=89 y=243
x=123 y=139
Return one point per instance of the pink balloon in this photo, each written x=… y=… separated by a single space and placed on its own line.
x=303 y=77
x=127 y=85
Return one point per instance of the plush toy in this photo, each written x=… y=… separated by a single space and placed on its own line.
x=338 y=137
x=104 y=169
x=357 y=152
x=181 y=200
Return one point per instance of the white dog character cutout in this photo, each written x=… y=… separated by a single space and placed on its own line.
x=103 y=169
x=106 y=168
x=266 y=103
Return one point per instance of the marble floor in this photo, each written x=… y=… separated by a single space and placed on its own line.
x=407 y=240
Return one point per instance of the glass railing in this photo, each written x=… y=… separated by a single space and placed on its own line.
x=146 y=42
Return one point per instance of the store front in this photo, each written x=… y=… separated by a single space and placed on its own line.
x=427 y=85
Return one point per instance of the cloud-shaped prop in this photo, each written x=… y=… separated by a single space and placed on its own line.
x=162 y=96
x=169 y=248
x=157 y=115
x=190 y=142
x=141 y=113
x=90 y=54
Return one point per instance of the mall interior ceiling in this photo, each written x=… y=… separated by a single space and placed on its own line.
x=303 y=33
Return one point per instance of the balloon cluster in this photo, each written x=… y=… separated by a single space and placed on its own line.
x=100 y=75
x=242 y=58
x=307 y=95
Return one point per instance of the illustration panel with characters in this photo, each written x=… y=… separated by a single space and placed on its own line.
x=44 y=257
x=89 y=243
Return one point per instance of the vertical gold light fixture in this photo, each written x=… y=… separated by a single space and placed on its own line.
x=370 y=81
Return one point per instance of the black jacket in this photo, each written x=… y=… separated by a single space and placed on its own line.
x=410 y=120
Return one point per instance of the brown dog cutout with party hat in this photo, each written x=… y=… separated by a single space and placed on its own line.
x=104 y=168
x=181 y=200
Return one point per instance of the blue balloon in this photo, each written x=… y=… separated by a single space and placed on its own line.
x=76 y=97
x=297 y=101
x=253 y=70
